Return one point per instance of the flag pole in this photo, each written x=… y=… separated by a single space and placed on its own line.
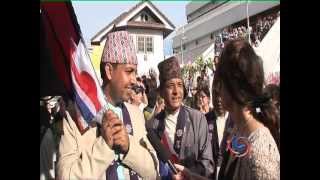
x=248 y=23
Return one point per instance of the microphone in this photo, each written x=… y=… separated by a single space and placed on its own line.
x=162 y=152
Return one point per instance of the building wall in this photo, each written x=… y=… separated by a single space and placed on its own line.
x=95 y=57
x=198 y=9
x=224 y=15
x=189 y=55
x=194 y=51
x=192 y=7
x=154 y=58
x=138 y=17
x=200 y=29
x=201 y=41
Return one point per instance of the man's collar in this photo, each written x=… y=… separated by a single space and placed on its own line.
x=173 y=114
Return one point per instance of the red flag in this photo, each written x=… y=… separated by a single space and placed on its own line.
x=71 y=60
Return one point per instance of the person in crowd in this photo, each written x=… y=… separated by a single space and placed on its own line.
x=144 y=82
x=182 y=130
x=204 y=79
x=222 y=126
x=202 y=99
x=47 y=144
x=153 y=81
x=189 y=87
x=225 y=35
x=138 y=96
x=253 y=147
x=52 y=110
x=215 y=62
x=149 y=110
x=118 y=147
x=218 y=122
x=257 y=31
x=160 y=105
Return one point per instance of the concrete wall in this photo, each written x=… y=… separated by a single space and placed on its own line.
x=194 y=6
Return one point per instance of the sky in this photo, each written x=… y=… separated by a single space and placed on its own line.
x=93 y=16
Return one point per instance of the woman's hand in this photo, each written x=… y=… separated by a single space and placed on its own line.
x=183 y=173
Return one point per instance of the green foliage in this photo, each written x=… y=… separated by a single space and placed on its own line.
x=196 y=66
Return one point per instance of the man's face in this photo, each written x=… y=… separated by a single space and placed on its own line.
x=217 y=104
x=173 y=93
x=123 y=78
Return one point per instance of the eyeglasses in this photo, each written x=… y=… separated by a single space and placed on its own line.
x=137 y=92
x=138 y=89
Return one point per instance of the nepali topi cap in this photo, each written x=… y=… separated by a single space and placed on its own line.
x=119 y=48
x=169 y=69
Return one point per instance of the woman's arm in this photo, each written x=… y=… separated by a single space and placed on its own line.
x=185 y=174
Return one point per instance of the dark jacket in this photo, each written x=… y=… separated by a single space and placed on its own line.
x=213 y=133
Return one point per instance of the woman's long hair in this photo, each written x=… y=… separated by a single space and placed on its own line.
x=240 y=70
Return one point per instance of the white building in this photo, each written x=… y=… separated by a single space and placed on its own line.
x=206 y=20
x=148 y=27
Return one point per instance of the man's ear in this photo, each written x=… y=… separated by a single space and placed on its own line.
x=108 y=69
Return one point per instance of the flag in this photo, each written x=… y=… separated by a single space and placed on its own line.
x=72 y=61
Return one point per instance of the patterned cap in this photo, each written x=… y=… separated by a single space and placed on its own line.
x=169 y=69
x=119 y=48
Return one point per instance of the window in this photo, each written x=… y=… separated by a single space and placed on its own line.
x=145 y=44
x=144 y=17
x=149 y=44
x=140 y=44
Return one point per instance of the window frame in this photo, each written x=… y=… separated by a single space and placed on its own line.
x=138 y=42
x=145 y=42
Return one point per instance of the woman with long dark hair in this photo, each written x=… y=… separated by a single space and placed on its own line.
x=253 y=147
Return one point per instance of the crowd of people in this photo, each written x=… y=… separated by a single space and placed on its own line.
x=237 y=137
x=258 y=29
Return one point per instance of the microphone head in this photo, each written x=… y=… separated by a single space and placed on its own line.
x=162 y=152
